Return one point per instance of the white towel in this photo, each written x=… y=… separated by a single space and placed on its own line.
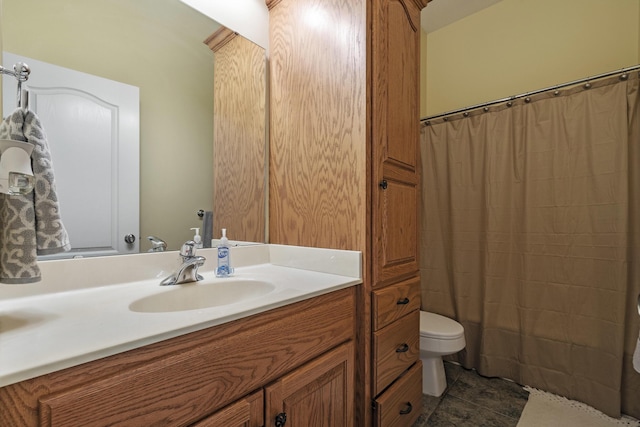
x=30 y=225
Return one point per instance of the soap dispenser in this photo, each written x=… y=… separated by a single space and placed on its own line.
x=224 y=262
x=196 y=238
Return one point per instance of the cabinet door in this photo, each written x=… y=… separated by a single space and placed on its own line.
x=317 y=394
x=396 y=67
x=246 y=412
x=396 y=38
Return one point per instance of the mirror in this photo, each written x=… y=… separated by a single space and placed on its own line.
x=157 y=46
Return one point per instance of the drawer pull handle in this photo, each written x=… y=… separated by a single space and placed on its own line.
x=403 y=301
x=403 y=348
x=407 y=410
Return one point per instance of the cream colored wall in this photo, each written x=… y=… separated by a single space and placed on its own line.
x=176 y=137
x=423 y=73
x=517 y=46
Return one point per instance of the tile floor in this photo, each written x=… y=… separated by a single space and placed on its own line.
x=473 y=401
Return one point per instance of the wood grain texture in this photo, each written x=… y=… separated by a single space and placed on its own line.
x=220 y=38
x=186 y=378
x=395 y=301
x=389 y=363
x=401 y=404
x=344 y=116
x=395 y=139
x=395 y=50
x=318 y=126
x=316 y=394
x=245 y=412
x=239 y=132
x=397 y=239
x=271 y=3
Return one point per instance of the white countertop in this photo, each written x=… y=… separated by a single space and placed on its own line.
x=80 y=311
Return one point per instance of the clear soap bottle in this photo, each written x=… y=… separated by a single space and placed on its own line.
x=224 y=257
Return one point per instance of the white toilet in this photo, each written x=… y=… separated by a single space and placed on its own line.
x=439 y=336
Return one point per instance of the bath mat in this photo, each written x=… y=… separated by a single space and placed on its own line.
x=546 y=409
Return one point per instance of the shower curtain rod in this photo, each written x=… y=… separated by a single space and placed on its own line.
x=623 y=76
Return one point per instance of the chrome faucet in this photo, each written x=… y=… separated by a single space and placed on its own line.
x=188 y=270
x=157 y=244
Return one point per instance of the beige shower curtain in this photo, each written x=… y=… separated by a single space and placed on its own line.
x=530 y=233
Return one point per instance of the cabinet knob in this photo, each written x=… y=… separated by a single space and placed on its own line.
x=384 y=184
x=281 y=419
x=407 y=410
x=403 y=301
x=403 y=348
x=129 y=238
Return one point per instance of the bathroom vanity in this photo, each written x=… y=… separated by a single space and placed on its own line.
x=288 y=354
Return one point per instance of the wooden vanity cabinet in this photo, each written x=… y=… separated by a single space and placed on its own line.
x=319 y=393
x=344 y=164
x=298 y=353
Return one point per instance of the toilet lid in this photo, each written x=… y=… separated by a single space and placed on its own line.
x=436 y=326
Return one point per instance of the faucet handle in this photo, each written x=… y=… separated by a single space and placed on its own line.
x=157 y=244
x=188 y=249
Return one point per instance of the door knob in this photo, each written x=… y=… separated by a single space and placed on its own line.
x=281 y=419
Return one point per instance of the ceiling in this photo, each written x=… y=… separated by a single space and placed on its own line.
x=440 y=13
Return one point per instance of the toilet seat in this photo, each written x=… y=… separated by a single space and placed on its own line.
x=435 y=326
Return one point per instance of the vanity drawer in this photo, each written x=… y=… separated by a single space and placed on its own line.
x=396 y=347
x=401 y=404
x=393 y=302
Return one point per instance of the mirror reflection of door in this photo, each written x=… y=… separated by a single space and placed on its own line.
x=92 y=126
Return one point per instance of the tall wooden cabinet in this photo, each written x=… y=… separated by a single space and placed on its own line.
x=344 y=125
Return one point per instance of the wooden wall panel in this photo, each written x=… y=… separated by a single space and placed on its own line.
x=239 y=148
x=318 y=133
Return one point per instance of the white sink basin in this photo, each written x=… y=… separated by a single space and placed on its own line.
x=202 y=294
